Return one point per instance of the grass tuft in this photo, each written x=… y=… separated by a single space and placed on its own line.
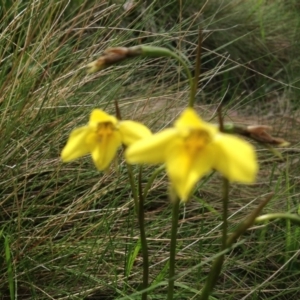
x=68 y=231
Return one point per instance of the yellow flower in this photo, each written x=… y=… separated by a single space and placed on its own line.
x=191 y=149
x=102 y=137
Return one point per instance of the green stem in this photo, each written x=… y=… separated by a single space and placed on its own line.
x=150 y=51
x=139 y=209
x=141 y=218
x=175 y=214
x=218 y=263
x=115 y=55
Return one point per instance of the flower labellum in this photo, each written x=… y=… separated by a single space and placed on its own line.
x=191 y=149
x=102 y=137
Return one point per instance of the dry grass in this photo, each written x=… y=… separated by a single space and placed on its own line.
x=72 y=232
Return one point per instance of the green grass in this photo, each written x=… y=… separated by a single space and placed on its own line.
x=70 y=232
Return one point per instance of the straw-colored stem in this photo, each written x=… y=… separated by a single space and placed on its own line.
x=218 y=263
x=269 y=217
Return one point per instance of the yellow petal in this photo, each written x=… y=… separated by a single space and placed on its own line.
x=105 y=150
x=77 y=144
x=99 y=116
x=235 y=158
x=185 y=170
x=132 y=131
x=153 y=149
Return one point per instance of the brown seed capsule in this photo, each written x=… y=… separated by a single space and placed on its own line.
x=259 y=133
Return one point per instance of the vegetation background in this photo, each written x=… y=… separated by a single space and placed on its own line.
x=70 y=232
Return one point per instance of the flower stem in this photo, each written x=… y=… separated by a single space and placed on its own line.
x=141 y=218
x=175 y=213
x=139 y=197
x=139 y=209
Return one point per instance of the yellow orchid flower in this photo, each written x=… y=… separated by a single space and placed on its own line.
x=102 y=137
x=191 y=149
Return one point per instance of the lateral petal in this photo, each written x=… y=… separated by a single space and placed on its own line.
x=153 y=149
x=77 y=144
x=132 y=131
x=235 y=158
